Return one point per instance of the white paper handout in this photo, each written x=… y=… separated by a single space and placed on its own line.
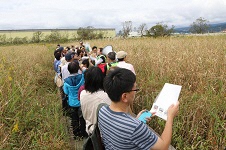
x=169 y=95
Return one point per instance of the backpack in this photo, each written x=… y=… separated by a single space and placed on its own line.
x=101 y=66
x=94 y=141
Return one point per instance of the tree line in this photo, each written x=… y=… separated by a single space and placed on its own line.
x=199 y=26
x=86 y=33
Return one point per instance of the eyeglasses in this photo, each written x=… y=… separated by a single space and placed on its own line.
x=134 y=90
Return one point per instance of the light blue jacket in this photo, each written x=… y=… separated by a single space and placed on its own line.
x=71 y=87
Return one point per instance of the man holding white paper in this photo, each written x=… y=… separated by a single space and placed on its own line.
x=120 y=130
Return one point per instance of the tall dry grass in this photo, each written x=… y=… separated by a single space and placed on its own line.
x=29 y=99
x=30 y=116
x=196 y=63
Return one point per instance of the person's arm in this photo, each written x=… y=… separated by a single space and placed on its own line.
x=90 y=63
x=58 y=68
x=99 y=61
x=132 y=69
x=65 y=89
x=164 y=140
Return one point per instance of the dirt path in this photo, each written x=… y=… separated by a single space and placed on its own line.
x=74 y=144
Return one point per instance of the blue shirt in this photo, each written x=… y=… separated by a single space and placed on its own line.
x=56 y=65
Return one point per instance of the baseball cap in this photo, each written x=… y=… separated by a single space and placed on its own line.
x=69 y=55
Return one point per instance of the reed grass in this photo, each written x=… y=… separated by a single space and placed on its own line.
x=31 y=117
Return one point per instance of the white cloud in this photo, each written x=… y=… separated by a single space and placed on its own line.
x=23 y=14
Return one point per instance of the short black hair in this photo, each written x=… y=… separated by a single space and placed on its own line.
x=120 y=59
x=101 y=49
x=73 y=67
x=79 y=51
x=86 y=62
x=57 y=54
x=94 y=79
x=117 y=82
x=94 y=47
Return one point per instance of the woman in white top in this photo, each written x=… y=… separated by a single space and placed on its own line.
x=92 y=96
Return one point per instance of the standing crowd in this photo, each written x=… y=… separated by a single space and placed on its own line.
x=90 y=78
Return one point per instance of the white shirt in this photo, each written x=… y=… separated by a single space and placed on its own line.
x=123 y=64
x=63 y=61
x=64 y=71
x=89 y=103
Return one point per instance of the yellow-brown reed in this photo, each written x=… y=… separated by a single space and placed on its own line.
x=29 y=97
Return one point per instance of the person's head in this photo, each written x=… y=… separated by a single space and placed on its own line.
x=111 y=56
x=64 y=52
x=94 y=49
x=99 y=51
x=121 y=55
x=94 y=79
x=69 y=56
x=85 y=63
x=83 y=48
x=73 y=67
x=68 y=48
x=60 y=49
x=57 y=54
x=120 y=85
x=80 y=53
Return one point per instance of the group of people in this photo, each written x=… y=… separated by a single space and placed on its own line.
x=91 y=78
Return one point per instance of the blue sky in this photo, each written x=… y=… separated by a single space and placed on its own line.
x=52 y=14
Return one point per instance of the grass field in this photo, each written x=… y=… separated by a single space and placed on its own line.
x=30 y=107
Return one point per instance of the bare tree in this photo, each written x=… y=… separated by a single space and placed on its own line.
x=126 y=28
x=142 y=28
x=200 y=26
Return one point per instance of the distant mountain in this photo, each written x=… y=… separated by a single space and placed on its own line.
x=218 y=27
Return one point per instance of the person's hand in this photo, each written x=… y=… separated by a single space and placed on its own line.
x=173 y=110
x=138 y=115
x=148 y=119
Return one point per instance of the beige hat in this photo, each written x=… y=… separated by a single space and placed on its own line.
x=121 y=54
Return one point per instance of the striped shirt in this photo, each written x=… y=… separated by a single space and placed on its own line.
x=120 y=131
